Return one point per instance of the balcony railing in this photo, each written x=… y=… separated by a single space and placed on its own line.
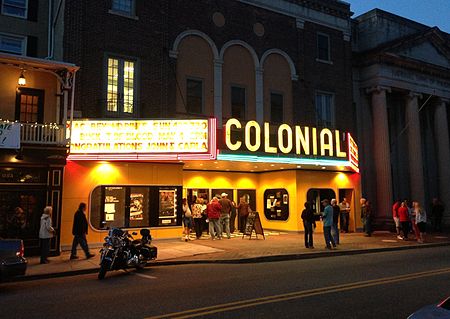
x=46 y=134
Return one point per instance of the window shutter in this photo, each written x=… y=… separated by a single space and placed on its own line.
x=31 y=46
x=33 y=10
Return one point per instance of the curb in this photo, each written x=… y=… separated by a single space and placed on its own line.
x=260 y=259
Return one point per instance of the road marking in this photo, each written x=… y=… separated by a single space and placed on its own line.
x=298 y=295
x=143 y=276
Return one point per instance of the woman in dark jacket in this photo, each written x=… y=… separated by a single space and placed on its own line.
x=308 y=223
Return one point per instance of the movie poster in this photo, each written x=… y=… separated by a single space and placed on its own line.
x=136 y=206
x=167 y=207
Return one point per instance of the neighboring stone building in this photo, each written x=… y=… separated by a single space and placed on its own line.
x=402 y=91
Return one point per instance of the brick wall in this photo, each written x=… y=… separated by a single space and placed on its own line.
x=90 y=31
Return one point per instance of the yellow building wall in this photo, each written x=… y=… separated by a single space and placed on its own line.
x=333 y=180
x=80 y=178
x=35 y=80
x=296 y=182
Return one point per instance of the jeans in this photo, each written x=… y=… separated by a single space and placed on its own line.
x=335 y=232
x=80 y=239
x=308 y=234
x=345 y=220
x=214 y=228
x=198 y=224
x=225 y=223
x=242 y=222
x=328 y=238
x=45 y=248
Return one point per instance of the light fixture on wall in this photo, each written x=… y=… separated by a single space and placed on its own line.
x=22 y=81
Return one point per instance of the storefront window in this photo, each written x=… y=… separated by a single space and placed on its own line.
x=276 y=204
x=315 y=196
x=135 y=206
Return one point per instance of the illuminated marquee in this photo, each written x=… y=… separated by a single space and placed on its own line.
x=143 y=139
x=299 y=140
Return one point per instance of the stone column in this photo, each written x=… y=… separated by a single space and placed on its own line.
x=218 y=112
x=259 y=95
x=381 y=152
x=443 y=152
x=415 y=148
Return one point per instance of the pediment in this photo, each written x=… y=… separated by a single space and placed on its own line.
x=425 y=51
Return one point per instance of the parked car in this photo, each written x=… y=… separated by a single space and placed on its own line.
x=440 y=310
x=12 y=261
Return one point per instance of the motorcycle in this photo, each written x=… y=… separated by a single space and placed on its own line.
x=121 y=251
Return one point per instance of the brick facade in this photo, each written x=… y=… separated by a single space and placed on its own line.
x=91 y=32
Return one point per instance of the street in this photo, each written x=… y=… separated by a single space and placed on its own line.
x=380 y=285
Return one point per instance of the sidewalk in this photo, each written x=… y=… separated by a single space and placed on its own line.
x=277 y=246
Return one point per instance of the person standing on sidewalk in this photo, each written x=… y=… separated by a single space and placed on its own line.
x=336 y=217
x=327 y=218
x=79 y=232
x=243 y=209
x=46 y=233
x=395 y=208
x=233 y=217
x=198 y=217
x=421 y=221
x=308 y=223
x=403 y=215
x=437 y=211
x=225 y=214
x=187 y=219
x=345 y=215
x=366 y=216
x=213 y=210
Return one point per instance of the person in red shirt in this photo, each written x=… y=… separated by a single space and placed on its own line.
x=213 y=210
x=403 y=215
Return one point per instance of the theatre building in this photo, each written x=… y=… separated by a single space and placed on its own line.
x=194 y=98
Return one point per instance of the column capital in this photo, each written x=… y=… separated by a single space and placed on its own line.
x=413 y=95
x=378 y=89
x=173 y=54
x=259 y=70
x=299 y=23
x=444 y=99
x=218 y=62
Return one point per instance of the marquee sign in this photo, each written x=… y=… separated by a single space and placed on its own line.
x=143 y=139
x=265 y=143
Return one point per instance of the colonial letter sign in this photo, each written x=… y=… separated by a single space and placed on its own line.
x=298 y=140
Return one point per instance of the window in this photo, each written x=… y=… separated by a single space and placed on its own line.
x=121 y=86
x=325 y=109
x=13 y=44
x=276 y=204
x=123 y=6
x=276 y=108
x=135 y=206
x=238 y=102
x=194 y=96
x=30 y=105
x=16 y=8
x=316 y=196
x=323 y=47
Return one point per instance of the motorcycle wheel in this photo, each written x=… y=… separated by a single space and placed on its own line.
x=102 y=271
x=140 y=267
